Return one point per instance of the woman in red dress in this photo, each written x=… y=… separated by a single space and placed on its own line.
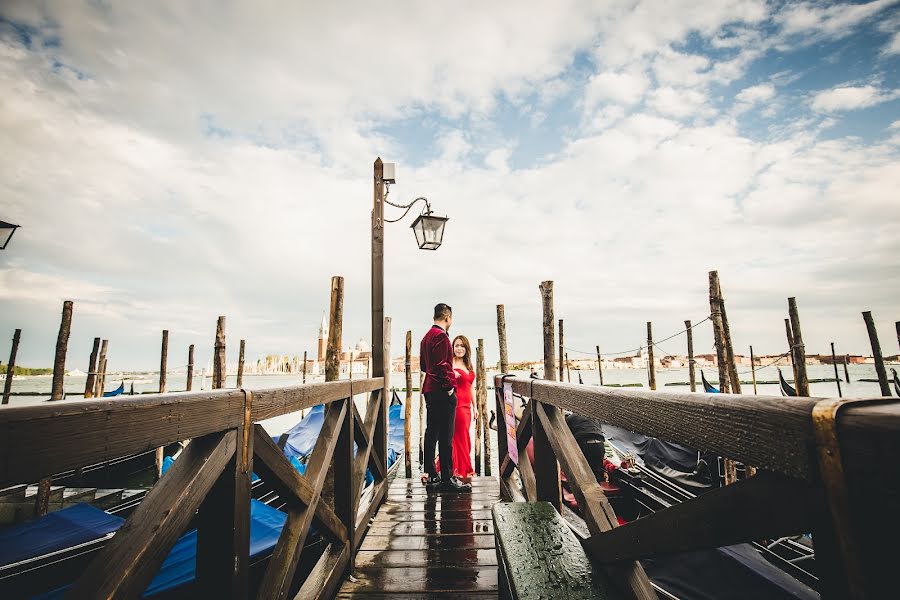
x=465 y=377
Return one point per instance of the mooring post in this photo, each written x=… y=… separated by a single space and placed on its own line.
x=501 y=333
x=407 y=408
x=481 y=393
x=650 y=363
x=92 y=370
x=479 y=359
x=101 y=369
x=240 y=370
x=304 y=366
x=546 y=289
x=62 y=344
x=219 y=373
x=11 y=366
x=568 y=369
x=546 y=468
x=692 y=370
x=792 y=348
x=729 y=347
x=333 y=370
x=189 y=384
x=753 y=369
x=163 y=357
x=599 y=365
x=876 y=354
x=800 y=352
x=715 y=309
x=837 y=378
x=562 y=363
x=846 y=371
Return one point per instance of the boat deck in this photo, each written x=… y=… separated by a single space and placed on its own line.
x=439 y=545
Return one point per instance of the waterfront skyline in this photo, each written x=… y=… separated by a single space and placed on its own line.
x=169 y=165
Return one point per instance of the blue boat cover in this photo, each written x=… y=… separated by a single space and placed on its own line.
x=61 y=529
x=302 y=436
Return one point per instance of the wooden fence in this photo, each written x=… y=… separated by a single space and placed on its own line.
x=829 y=467
x=212 y=480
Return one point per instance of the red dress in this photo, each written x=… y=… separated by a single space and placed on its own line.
x=462 y=442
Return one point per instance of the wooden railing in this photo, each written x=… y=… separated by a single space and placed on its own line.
x=829 y=467
x=210 y=481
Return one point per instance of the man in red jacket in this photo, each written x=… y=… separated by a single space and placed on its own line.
x=436 y=361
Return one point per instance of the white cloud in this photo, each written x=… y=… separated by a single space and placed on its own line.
x=679 y=102
x=756 y=93
x=828 y=20
x=618 y=87
x=849 y=97
x=893 y=47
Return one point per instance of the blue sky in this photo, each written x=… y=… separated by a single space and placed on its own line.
x=172 y=163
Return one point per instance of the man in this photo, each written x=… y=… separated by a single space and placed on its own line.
x=436 y=361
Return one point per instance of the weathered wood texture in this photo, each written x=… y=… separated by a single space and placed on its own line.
x=562 y=356
x=407 y=408
x=546 y=468
x=304 y=366
x=481 y=395
x=876 y=353
x=62 y=345
x=792 y=354
x=240 y=369
x=101 y=369
x=801 y=381
x=11 y=366
x=837 y=377
x=731 y=362
x=91 y=379
x=189 y=384
x=753 y=369
x=476 y=407
x=599 y=365
x=692 y=367
x=377 y=302
x=335 y=330
x=546 y=289
x=651 y=366
x=163 y=356
x=219 y=364
x=501 y=335
x=715 y=311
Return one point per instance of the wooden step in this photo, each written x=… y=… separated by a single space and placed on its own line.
x=75 y=495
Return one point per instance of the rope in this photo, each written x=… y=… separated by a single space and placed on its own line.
x=641 y=347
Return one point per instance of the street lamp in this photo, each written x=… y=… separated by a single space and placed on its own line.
x=428 y=227
x=6 y=232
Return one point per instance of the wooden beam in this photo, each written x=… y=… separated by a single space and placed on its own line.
x=62 y=345
x=92 y=370
x=240 y=369
x=11 y=366
x=651 y=367
x=802 y=381
x=481 y=392
x=715 y=310
x=692 y=367
x=562 y=356
x=792 y=348
x=189 y=384
x=501 y=334
x=731 y=361
x=128 y=562
x=377 y=229
x=837 y=377
x=328 y=574
x=876 y=354
x=219 y=365
x=753 y=369
x=599 y=365
x=546 y=289
x=546 y=468
x=163 y=355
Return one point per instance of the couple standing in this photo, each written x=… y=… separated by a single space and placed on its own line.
x=448 y=396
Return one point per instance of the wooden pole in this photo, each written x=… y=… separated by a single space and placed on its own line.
x=568 y=369
x=101 y=369
x=481 y=392
x=715 y=310
x=92 y=370
x=546 y=289
x=378 y=271
x=11 y=366
x=304 y=366
x=846 y=371
x=62 y=344
x=219 y=372
x=876 y=354
x=407 y=408
x=240 y=370
x=791 y=346
x=562 y=356
x=479 y=360
x=42 y=499
x=802 y=382
x=692 y=367
x=652 y=367
x=163 y=356
x=190 y=369
x=501 y=333
x=335 y=327
x=729 y=347
x=599 y=365
x=837 y=378
x=753 y=369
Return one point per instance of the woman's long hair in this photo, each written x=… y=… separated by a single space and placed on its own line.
x=467 y=357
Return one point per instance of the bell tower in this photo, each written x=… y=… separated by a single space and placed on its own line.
x=323 y=339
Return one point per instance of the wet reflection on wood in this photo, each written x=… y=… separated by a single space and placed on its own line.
x=429 y=545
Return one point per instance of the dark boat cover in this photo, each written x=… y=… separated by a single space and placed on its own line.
x=786 y=388
x=896 y=382
x=689 y=468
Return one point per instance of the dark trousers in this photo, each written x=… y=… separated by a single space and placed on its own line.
x=439 y=430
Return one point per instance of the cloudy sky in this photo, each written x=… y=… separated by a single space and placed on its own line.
x=170 y=162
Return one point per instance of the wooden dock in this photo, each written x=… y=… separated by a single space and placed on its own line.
x=422 y=544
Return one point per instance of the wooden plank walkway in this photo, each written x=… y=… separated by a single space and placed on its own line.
x=434 y=545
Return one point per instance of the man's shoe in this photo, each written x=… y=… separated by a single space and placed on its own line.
x=456 y=486
x=431 y=481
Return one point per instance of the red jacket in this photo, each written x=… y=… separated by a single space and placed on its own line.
x=436 y=360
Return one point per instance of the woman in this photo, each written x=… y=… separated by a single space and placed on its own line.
x=465 y=377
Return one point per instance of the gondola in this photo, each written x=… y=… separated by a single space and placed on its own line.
x=116 y=392
x=896 y=382
x=707 y=386
x=786 y=389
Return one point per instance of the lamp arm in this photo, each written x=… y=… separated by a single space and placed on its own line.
x=408 y=207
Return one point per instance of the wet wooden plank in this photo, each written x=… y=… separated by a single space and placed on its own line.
x=438 y=505
x=466 y=557
x=446 y=515
x=439 y=595
x=425 y=542
x=428 y=579
x=435 y=527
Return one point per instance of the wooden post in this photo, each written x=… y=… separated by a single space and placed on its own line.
x=219 y=372
x=568 y=369
x=378 y=271
x=846 y=371
x=546 y=289
x=715 y=309
x=11 y=366
x=380 y=437
x=599 y=365
x=335 y=330
x=163 y=356
x=692 y=367
x=792 y=355
x=479 y=360
x=407 y=409
x=62 y=344
x=562 y=356
x=651 y=365
x=837 y=378
x=92 y=370
x=304 y=366
x=42 y=499
x=481 y=393
x=101 y=370
x=240 y=370
x=876 y=354
x=802 y=382
x=729 y=347
x=753 y=369
x=501 y=333
x=190 y=369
